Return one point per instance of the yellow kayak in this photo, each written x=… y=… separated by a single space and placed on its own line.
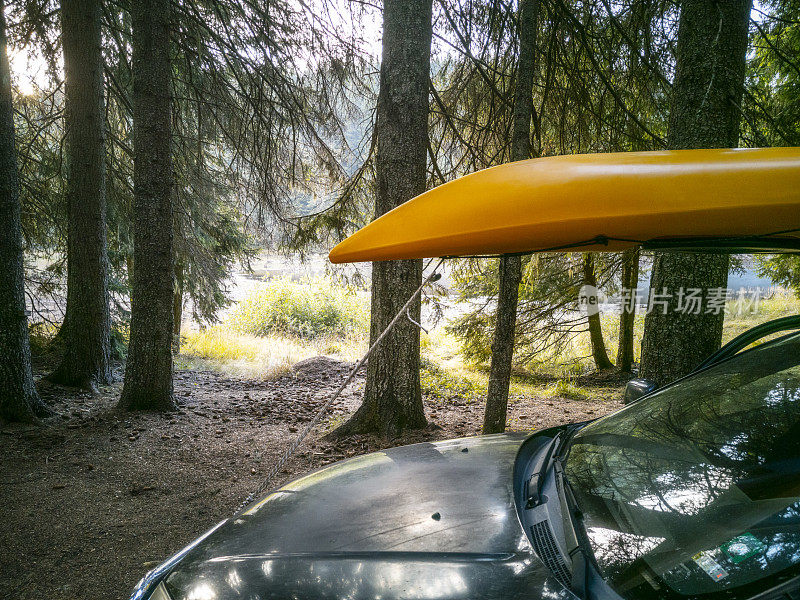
x=594 y=202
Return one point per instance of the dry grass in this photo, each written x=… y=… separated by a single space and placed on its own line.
x=222 y=349
x=781 y=303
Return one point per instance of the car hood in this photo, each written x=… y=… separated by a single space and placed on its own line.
x=428 y=521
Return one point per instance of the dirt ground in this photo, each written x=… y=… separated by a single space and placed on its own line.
x=97 y=497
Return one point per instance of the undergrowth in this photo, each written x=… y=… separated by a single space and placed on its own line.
x=285 y=322
x=308 y=310
x=222 y=349
x=443 y=384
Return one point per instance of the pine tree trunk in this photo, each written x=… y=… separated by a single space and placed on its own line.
x=599 y=353
x=494 y=416
x=19 y=400
x=510 y=275
x=177 y=310
x=87 y=325
x=148 y=372
x=709 y=80
x=392 y=396
x=627 y=316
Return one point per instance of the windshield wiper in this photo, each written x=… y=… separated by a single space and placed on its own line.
x=551 y=459
x=533 y=487
x=575 y=546
x=556 y=449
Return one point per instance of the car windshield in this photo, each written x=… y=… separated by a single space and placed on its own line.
x=695 y=490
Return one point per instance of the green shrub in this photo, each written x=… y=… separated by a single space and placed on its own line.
x=439 y=383
x=310 y=309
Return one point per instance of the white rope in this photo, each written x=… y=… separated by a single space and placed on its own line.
x=287 y=454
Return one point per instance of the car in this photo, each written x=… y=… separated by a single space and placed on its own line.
x=691 y=491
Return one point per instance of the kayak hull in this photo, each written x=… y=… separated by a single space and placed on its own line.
x=605 y=202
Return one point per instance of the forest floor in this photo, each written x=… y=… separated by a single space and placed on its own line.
x=97 y=497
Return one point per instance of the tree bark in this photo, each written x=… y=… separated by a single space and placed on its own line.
x=494 y=418
x=19 y=400
x=148 y=372
x=177 y=310
x=87 y=324
x=392 y=395
x=599 y=353
x=707 y=92
x=627 y=316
